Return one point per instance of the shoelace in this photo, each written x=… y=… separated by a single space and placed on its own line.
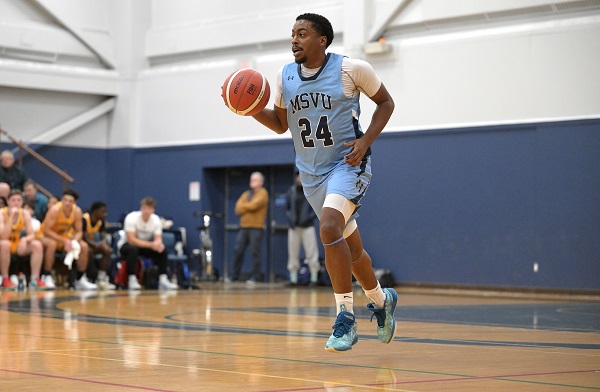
x=340 y=328
x=380 y=315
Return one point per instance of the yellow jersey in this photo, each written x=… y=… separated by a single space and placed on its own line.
x=16 y=228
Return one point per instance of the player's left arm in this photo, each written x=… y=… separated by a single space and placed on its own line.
x=78 y=225
x=381 y=115
x=4 y=228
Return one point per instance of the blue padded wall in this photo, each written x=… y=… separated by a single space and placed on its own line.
x=474 y=206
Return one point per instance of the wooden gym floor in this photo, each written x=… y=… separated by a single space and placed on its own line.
x=229 y=337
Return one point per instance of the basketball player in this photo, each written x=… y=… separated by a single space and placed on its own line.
x=143 y=237
x=317 y=98
x=62 y=229
x=17 y=220
x=94 y=233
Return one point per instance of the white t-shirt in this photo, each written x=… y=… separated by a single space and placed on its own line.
x=143 y=230
x=35 y=224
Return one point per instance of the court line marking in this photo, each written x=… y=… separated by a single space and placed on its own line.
x=455 y=377
x=112 y=384
x=56 y=352
x=178 y=326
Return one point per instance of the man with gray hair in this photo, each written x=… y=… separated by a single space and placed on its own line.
x=251 y=207
x=11 y=176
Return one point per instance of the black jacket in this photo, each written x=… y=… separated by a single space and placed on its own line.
x=15 y=177
x=298 y=213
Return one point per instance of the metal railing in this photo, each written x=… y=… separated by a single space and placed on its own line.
x=23 y=147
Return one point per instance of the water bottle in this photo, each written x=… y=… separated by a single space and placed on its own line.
x=21 y=285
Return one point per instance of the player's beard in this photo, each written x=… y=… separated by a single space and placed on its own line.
x=300 y=60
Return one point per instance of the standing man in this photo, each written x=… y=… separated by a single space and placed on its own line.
x=39 y=200
x=251 y=207
x=317 y=98
x=143 y=237
x=301 y=232
x=15 y=221
x=94 y=233
x=63 y=232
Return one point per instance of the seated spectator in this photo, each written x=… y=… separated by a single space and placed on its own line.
x=52 y=200
x=11 y=176
x=62 y=230
x=143 y=237
x=16 y=221
x=94 y=233
x=39 y=200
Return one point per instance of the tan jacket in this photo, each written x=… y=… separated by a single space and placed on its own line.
x=252 y=209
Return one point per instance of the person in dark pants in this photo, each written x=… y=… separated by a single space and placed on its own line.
x=94 y=233
x=301 y=233
x=143 y=237
x=252 y=209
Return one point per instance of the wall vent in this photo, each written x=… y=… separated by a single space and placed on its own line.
x=562 y=8
x=577 y=5
x=527 y=11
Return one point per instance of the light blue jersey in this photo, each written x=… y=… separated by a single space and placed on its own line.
x=320 y=117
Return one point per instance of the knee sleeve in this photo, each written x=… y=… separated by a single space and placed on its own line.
x=340 y=203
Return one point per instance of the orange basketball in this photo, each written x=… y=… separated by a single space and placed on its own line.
x=246 y=92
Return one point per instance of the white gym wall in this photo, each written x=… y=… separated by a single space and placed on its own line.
x=136 y=73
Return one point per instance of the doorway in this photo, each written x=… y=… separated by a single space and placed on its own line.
x=223 y=186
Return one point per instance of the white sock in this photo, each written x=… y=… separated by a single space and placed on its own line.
x=376 y=296
x=163 y=277
x=345 y=302
x=314 y=277
x=294 y=277
x=102 y=275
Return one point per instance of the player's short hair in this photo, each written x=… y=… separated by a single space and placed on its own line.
x=148 y=201
x=321 y=24
x=71 y=192
x=14 y=192
x=97 y=205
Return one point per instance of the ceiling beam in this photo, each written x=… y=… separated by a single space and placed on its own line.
x=99 y=44
x=385 y=17
x=54 y=77
x=74 y=123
